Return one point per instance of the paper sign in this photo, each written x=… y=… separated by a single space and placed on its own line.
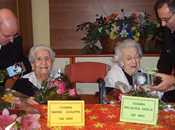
x=65 y=113
x=139 y=110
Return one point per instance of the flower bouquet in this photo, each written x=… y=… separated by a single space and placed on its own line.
x=134 y=27
x=55 y=89
x=15 y=113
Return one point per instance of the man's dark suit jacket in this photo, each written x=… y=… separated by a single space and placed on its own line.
x=12 y=53
x=167 y=60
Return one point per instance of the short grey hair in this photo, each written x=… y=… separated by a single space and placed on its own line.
x=125 y=43
x=34 y=49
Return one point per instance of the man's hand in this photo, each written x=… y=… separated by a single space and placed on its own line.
x=166 y=84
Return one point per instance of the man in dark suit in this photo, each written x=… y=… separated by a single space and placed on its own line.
x=166 y=12
x=11 y=50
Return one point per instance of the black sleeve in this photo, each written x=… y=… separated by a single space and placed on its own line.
x=169 y=96
x=12 y=53
x=24 y=86
x=166 y=60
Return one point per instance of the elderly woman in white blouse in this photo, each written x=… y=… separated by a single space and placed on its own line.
x=41 y=58
x=127 y=62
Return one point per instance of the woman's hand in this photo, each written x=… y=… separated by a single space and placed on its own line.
x=31 y=100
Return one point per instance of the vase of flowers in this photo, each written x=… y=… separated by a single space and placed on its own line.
x=108 y=44
x=137 y=27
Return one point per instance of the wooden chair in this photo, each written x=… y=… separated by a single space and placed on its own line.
x=10 y=82
x=88 y=72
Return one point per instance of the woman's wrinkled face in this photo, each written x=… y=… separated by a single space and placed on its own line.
x=130 y=60
x=42 y=63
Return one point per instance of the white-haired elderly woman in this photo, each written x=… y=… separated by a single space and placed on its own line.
x=41 y=58
x=127 y=62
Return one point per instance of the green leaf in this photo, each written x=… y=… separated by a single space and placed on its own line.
x=97 y=48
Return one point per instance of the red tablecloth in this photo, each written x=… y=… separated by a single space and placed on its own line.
x=106 y=117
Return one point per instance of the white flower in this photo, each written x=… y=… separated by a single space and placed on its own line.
x=17 y=69
x=125 y=26
x=107 y=31
x=100 y=29
x=140 y=14
x=116 y=29
x=141 y=79
x=124 y=33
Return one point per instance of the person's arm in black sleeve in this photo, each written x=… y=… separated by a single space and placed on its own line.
x=24 y=86
x=166 y=61
x=22 y=58
x=13 y=53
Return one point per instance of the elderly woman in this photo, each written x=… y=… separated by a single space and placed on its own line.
x=127 y=58
x=41 y=58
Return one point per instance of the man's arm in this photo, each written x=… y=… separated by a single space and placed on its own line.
x=13 y=53
x=165 y=62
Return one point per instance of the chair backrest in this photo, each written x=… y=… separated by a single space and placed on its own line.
x=86 y=72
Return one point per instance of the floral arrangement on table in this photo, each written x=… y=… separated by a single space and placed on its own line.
x=55 y=89
x=22 y=122
x=141 y=81
x=134 y=27
x=13 y=116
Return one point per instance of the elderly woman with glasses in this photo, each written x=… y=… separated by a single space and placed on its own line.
x=41 y=58
x=127 y=62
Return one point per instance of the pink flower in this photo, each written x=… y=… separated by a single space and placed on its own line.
x=60 y=90
x=62 y=84
x=49 y=83
x=29 y=122
x=52 y=85
x=5 y=119
x=56 y=82
x=120 y=97
x=72 y=92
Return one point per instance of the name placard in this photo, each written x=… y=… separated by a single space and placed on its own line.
x=65 y=113
x=139 y=110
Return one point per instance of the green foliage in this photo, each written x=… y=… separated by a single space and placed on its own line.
x=4 y=104
x=3 y=75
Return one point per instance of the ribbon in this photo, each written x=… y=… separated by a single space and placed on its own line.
x=150 y=73
x=153 y=71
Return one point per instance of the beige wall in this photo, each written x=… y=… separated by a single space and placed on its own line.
x=41 y=35
x=40 y=17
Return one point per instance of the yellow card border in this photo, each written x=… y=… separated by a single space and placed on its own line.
x=66 y=123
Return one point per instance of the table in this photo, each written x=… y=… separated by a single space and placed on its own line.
x=106 y=117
